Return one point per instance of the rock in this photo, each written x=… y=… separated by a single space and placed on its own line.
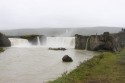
x=80 y=41
x=106 y=41
x=57 y=49
x=4 y=41
x=66 y=58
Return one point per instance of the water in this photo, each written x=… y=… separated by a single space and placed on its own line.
x=67 y=42
x=19 y=42
x=38 y=41
x=87 y=44
x=37 y=64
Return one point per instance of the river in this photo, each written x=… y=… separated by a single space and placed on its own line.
x=37 y=64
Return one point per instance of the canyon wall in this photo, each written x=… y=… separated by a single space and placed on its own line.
x=105 y=41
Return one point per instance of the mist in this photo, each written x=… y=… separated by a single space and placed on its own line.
x=21 y=14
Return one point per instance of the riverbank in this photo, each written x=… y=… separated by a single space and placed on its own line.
x=105 y=68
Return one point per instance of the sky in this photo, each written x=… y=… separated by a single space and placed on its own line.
x=16 y=14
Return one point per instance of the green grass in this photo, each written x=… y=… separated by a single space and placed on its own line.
x=106 y=68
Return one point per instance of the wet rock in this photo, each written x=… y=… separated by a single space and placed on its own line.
x=66 y=58
x=80 y=41
x=63 y=49
x=4 y=41
x=106 y=41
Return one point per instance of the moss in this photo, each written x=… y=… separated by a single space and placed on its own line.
x=104 y=68
x=28 y=36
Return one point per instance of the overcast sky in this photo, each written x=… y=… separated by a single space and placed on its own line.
x=61 y=13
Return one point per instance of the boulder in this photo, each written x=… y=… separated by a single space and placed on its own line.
x=4 y=41
x=66 y=58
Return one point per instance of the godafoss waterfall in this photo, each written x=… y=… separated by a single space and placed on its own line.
x=27 y=63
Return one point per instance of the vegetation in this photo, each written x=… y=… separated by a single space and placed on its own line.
x=106 y=68
x=29 y=36
x=1 y=49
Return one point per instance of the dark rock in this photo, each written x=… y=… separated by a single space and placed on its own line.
x=80 y=41
x=98 y=42
x=121 y=38
x=66 y=58
x=4 y=41
x=57 y=48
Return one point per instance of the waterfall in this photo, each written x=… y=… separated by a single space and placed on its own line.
x=19 y=42
x=87 y=44
x=61 y=42
x=38 y=41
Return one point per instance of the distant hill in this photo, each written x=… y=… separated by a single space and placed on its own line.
x=61 y=31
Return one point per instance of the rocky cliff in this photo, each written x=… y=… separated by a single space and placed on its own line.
x=121 y=38
x=80 y=41
x=98 y=42
x=4 y=41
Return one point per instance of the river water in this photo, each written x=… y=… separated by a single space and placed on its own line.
x=37 y=64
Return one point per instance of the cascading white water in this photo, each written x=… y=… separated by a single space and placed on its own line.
x=68 y=42
x=38 y=41
x=19 y=42
x=87 y=44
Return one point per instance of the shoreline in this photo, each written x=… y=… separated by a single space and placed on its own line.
x=105 y=68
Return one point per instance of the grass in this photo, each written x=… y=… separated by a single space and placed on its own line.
x=106 y=68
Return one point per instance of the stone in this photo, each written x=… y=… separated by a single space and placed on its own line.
x=4 y=41
x=63 y=49
x=66 y=58
x=106 y=41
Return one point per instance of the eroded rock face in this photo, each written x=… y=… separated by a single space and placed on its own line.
x=4 y=41
x=101 y=42
x=66 y=58
x=121 y=38
x=80 y=41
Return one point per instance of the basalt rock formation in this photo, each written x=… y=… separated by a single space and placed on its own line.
x=105 y=41
x=80 y=41
x=4 y=41
x=121 y=38
x=66 y=58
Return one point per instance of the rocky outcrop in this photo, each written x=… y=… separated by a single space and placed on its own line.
x=66 y=58
x=80 y=41
x=4 y=41
x=121 y=38
x=63 y=49
x=100 y=42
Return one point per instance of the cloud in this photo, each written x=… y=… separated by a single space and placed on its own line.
x=61 y=13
